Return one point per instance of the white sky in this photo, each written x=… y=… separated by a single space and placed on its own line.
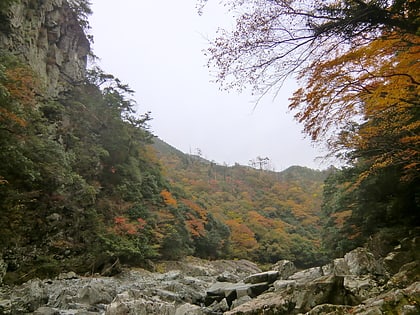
x=156 y=47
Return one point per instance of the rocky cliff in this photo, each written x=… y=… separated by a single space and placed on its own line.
x=48 y=36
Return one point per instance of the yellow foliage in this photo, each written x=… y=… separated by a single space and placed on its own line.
x=168 y=199
x=367 y=99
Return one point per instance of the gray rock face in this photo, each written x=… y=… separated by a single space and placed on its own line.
x=48 y=36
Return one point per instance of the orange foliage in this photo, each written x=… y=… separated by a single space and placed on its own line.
x=242 y=236
x=195 y=226
x=194 y=206
x=371 y=94
x=168 y=198
x=195 y=223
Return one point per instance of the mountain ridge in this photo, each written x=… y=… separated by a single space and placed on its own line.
x=162 y=146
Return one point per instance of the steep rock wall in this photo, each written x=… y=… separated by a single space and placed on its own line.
x=47 y=34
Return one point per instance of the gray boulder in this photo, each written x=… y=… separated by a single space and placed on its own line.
x=284 y=284
x=361 y=262
x=362 y=287
x=189 y=309
x=232 y=291
x=285 y=268
x=307 y=275
x=95 y=293
x=338 y=267
x=395 y=260
x=268 y=276
x=407 y=274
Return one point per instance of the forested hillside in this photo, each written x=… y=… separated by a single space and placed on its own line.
x=80 y=188
x=85 y=186
x=270 y=215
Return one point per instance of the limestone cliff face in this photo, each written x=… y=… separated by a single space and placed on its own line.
x=47 y=34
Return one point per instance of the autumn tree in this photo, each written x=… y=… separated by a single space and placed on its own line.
x=329 y=45
x=357 y=63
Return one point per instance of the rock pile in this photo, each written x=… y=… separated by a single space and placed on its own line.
x=358 y=283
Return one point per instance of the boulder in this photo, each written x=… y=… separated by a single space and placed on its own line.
x=240 y=301
x=67 y=276
x=326 y=289
x=219 y=307
x=232 y=291
x=189 y=309
x=362 y=287
x=227 y=277
x=395 y=260
x=407 y=274
x=284 y=284
x=361 y=262
x=268 y=276
x=307 y=275
x=95 y=293
x=269 y=303
x=285 y=268
x=338 y=267
x=23 y=299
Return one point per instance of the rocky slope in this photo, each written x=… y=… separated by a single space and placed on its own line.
x=358 y=283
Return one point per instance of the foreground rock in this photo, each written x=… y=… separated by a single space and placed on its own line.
x=358 y=283
x=181 y=288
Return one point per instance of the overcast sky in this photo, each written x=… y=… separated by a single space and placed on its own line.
x=156 y=47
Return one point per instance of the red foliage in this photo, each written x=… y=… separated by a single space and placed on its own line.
x=122 y=226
